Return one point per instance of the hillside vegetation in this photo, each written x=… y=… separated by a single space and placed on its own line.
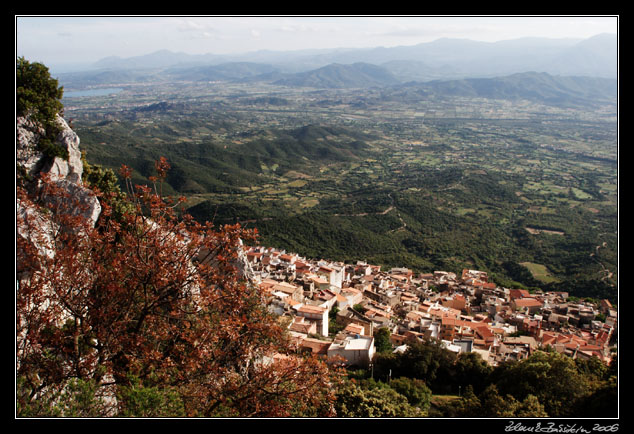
x=127 y=319
x=475 y=173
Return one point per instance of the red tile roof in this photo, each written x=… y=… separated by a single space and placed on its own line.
x=518 y=293
x=528 y=302
x=312 y=309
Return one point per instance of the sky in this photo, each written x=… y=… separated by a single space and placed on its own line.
x=68 y=41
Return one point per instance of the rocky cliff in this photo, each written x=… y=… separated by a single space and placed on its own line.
x=66 y=173
x=33 y=222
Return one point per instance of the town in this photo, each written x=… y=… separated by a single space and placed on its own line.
x=467 y=313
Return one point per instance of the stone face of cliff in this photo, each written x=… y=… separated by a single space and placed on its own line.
x=34 y=225
x=65 y=173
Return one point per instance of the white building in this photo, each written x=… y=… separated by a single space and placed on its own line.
x=333 y=273
x=354 y=349
x=319 y=314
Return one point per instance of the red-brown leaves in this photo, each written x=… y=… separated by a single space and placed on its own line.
x=162 y=166
x=163 y=299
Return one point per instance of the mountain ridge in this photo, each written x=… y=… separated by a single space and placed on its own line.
x=467 y=57
x=541 y=87
x=336 y=75
x=533 y=86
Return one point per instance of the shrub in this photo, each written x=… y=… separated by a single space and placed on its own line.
x=38 y=96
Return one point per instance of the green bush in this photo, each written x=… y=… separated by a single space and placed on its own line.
x=38 y=96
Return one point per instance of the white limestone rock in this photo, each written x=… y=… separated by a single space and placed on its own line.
x=66 y=173
x=71 y=169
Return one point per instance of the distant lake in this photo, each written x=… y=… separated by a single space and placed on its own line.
x=92 y=92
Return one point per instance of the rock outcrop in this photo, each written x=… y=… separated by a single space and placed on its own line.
x=66 y=173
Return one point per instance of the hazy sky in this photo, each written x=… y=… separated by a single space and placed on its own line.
x=60 y=40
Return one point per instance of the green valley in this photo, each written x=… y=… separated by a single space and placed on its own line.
x=399 y=176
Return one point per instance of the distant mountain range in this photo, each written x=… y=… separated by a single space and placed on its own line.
x=442 y=58
x=558 y=72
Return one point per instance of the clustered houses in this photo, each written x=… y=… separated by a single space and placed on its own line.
x=467 y=312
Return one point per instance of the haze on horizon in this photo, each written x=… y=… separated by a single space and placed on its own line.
x=67 y=42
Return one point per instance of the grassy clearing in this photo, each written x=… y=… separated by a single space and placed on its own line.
x=580 y=194
x=309 y=203
x=540 y=272
x=297 y=183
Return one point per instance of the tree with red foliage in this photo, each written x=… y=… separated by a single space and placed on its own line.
x=146 y=303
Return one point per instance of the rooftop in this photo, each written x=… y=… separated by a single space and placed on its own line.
x=356 y=342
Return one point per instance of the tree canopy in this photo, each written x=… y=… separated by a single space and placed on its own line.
x=38 y=96
x=37 y=92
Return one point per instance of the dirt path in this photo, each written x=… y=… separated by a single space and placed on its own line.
x=607 y=273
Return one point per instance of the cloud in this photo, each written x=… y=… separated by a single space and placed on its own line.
x=190 y=25
x=197 y=28
x=299 y=27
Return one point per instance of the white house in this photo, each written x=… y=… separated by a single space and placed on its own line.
x=334 y=274
x=354 y=349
